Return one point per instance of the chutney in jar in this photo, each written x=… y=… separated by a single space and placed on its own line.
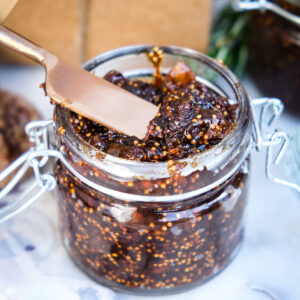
x=153 y=233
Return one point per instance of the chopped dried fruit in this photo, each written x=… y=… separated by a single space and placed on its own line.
x=191 y=119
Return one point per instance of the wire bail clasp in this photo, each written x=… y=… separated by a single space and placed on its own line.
x=36 y=158
x=278 y=138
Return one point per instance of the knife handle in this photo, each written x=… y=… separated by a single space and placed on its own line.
x=15 y=42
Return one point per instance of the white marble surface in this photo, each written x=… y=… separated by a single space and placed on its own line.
x=34 y=265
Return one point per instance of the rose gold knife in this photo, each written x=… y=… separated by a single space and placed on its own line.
x=83 y=92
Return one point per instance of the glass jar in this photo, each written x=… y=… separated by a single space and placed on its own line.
x=145 y=227
x=275 y=51
x=153 y=228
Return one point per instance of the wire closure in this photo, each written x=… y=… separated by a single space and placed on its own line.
x=278 y=138
x=38 y=156
x=267 y=104
x=264 y=5
x=38 y=134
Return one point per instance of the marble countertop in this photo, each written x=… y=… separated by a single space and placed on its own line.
x=34 y=264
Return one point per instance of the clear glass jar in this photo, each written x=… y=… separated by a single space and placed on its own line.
x=275 y=53
x=146 y=227
x=156 y=227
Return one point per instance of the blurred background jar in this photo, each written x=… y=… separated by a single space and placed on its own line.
x=275 y=53
x=261 y=38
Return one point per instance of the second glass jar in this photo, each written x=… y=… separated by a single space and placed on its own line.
x=275 y=54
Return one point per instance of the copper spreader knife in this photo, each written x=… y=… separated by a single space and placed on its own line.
x=85 y=93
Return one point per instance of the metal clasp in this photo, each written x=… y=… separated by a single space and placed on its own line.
x=264 y=5
x=278 y=138
x=39 y=133
x=36 y=158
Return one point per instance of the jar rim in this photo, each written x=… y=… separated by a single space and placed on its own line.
x=221 y=68
x=207 y=159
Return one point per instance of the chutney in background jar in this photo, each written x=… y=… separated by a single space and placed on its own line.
x=275 y=54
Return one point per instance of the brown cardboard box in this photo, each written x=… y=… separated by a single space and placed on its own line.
x=5 y=8
x=53 y=24
x=77 y=30
x=116 y=23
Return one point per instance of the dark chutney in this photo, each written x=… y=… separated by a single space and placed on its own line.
x=191 y=119
x=275 y=55
x=157 y=246
x=151 y=246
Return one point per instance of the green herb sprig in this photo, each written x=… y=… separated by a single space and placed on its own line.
x=229 y=40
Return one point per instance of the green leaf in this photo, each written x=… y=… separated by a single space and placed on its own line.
x=230 y=39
